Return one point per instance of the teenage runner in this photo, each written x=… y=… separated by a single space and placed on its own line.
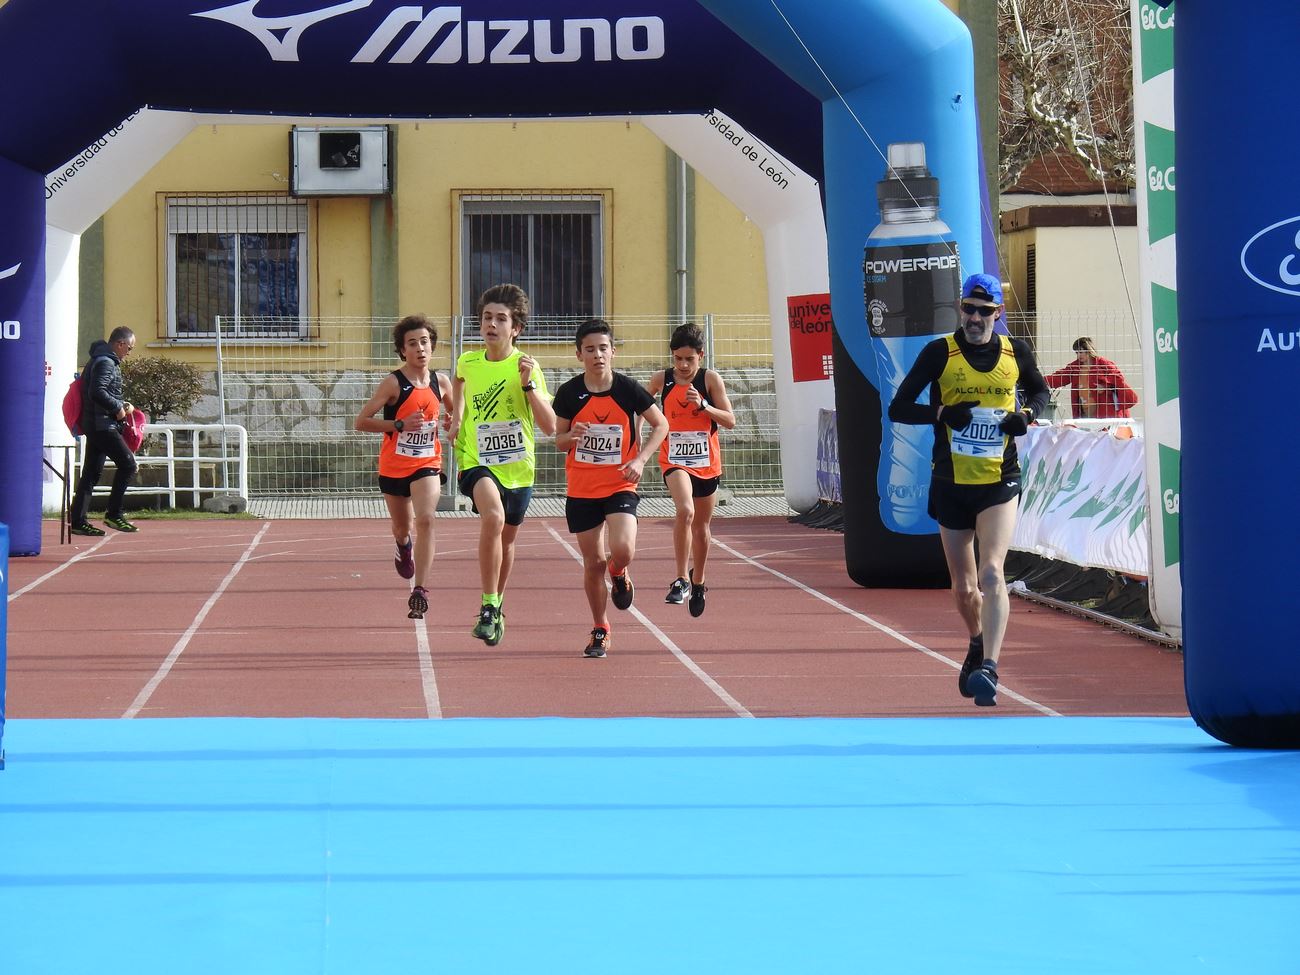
x=410 y=456
x=695 y=402
x=596 y=426
x=500 y=393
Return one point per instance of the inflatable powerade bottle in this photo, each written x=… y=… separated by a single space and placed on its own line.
x=911 y=282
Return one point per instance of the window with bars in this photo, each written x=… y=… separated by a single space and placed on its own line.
x=550 y=245
x=242 y=259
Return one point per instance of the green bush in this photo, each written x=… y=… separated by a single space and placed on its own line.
x=161 y=386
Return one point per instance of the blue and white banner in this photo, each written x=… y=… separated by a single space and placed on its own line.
x=828 y=458
x=1084 y=499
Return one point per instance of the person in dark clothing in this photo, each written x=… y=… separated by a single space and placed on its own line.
x=103 y=412
x=984 y=391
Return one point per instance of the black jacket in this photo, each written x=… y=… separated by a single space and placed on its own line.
x=101 y=399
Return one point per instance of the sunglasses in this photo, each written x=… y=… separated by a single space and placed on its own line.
x=984 y=311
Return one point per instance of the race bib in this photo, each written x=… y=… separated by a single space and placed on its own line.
x=982 y=437
x=688 y=448
x=501 y=442
x=601 y=444
x=418 y=443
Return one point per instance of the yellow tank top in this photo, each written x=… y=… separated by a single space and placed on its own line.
x=978 y=451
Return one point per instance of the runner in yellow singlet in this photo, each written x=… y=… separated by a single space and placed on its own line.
x=984 y=391
x=500 y=393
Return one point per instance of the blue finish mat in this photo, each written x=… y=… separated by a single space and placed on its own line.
x=645 y=845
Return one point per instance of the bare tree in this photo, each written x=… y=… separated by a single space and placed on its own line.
x=1066 y=88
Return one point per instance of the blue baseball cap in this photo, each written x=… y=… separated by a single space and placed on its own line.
x=983 y=287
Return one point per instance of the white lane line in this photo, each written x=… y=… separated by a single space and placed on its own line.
x=887 y=630
x=428 y=679
x=737 y=708
x=55 y=571
x=146 y=692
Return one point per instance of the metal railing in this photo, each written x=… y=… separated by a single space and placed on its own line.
x=213 y=455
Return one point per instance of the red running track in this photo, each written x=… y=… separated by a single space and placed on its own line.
x=308 y=618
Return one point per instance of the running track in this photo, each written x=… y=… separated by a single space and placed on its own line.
x=307 y=619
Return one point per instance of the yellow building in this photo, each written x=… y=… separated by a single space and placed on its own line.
x=583 y=214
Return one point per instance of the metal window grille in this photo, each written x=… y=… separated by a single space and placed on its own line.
x=240 y=258
x=548 y=244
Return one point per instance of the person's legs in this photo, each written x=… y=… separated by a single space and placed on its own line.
x=424 y=504
x=959 y=552
x=508 y=535
x=995 y=527
x=117 y=450
x=679 y=486
x=400 y=515
x=91 y=467
x=701 y=535
x=492 y=521
x=591 y=544
x=622 y=550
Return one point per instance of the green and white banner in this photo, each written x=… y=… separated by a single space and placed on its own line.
x=1085 y=499
x=1153 y=120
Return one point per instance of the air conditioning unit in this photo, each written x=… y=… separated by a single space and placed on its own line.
x=338 y=161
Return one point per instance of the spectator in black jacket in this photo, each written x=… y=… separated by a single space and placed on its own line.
x=103 y=411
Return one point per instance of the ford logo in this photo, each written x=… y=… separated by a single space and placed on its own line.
x=1272 y=257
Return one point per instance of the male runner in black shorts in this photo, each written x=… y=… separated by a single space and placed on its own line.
x=985 y=389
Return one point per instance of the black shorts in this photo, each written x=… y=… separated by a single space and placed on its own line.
x=584 y=514
x=701 y=487
x=515 y=501
x=401 y=486
x=955 y=506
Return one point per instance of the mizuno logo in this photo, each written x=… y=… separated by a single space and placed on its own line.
x=285 y=47
x=441 y=36
x=9 y=272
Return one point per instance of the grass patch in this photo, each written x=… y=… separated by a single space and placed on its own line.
x=168 y=514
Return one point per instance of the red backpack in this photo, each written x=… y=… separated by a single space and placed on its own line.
x=74 y=402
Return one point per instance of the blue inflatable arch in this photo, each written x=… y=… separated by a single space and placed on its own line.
x=1238 y=246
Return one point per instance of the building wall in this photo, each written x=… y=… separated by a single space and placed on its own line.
x=1085 y=286
x=435 y=161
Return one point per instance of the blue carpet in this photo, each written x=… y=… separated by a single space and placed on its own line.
x=645 y=845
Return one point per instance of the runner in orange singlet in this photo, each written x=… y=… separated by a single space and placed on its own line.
x=410 y=458
x=596 y=422
x=695 y=402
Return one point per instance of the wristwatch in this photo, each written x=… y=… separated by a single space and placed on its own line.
x=399 y=426
x=530 y=387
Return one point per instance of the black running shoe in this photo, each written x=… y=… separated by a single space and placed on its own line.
x=623 y=590
x=677 y=592
x=696 y=605
x=484 y=624
x=120 y=524
x=404 y=560
x=86 y=528
x=599 y=643
x=983 y=684
x=498 y=629
x=974 y=657
x=418 y=604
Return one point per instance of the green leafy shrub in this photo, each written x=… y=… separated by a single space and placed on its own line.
x=161 y=386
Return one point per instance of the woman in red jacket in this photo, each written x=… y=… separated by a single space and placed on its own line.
x=1097 y=387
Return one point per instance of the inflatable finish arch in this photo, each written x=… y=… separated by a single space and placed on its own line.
x=1238 y=250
